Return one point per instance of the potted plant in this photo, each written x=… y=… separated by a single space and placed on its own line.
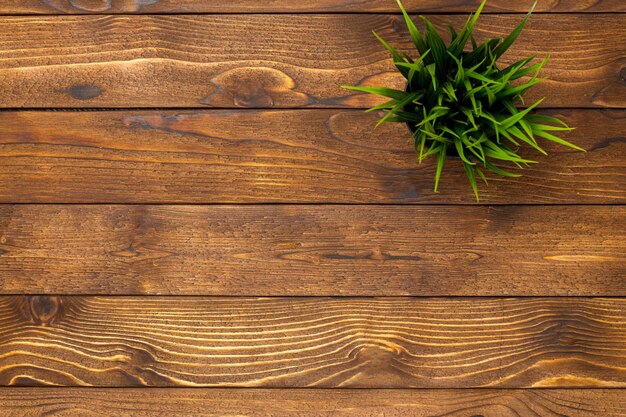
x=459 y=103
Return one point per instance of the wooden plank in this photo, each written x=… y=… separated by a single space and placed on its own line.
x=313 y=342
x=274 y=60
x=313 y=250
x=312 y=156
x=186 y=402
x=289 y=6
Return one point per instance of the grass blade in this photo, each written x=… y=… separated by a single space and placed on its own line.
x=509 y=40
x=416 y=35
x=441 y=159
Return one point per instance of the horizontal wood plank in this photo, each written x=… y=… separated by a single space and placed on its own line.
x=313 y=250
x=275 y=60
x=290 y=6
x=213 y=402
x=297 y=156
x=312 y=342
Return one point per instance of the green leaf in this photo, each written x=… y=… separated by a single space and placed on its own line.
x=475 y=147
x=434 y=114
x=459 y=148
x=435 y=44
x=533 y=68
x=469 y=169
x=489 y=117
x=460 y=71
x=381 y=91
x=413 y=67
x=441 y=158
x=551 y=137
x=399 y=105
x=449 y=131
x=408 y=117
x=470 y=117
x=547 y=119
x=434 y=149
x=387 y=105
x=509 y=40
x=507 y=123
x=528 y=139
x=518 y=90
x=507 y=136
x=500 y=171
x=480 y=77
x=422 y=144
x=474 y=45
x=416 y=35
x=502 y=153
x=527 y=129
x=433 y=76
x=449 y=90
x=456 y=47
x=511 y=70
x=453 y=33
x=395 y=55
x=551 y=128
x=435 y=137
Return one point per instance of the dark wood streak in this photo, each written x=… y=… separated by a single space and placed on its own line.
x=310 y=156
x=308 y=6
x=84 y=91
x=317 y=342
x=279 y=61
x=314 y=250
x=606 y=143
x=55 y=402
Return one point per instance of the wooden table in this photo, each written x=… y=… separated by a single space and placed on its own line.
x=207 y=212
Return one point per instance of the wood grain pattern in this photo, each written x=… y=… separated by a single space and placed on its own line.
x=289 y=6
x=274 y=60
x=313 y=250
x=313 y=342
x=315 y=156
x=213 y=402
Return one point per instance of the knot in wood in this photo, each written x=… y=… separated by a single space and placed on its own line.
x=45 y=310
x=92 y=5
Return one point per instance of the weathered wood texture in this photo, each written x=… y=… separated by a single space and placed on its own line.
x=313 y=250
x=313 y=342
x=274 y=60
x=298 y=156
x=213 y=402
x=290 y=6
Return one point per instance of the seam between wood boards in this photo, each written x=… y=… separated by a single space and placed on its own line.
x=244 y=388
x=304 y=13
x=335 y=297
x=313 y=204
x=242 y=109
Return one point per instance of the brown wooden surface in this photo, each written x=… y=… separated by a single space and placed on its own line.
x=290 y=6
x=87 y=402
x=313 y=342
x=313 y=250
x=314 y=156
x=274 y=60
x=160 y=288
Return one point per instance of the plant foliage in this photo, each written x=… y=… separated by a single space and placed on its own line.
x=458 y=101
